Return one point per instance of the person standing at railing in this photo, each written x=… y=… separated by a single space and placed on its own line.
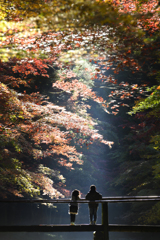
x=93 y=195
x=73 y=206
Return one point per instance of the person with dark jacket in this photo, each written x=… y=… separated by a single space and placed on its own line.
x=93 y=195
x=73 y=206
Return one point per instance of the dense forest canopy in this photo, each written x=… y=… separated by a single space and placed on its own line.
x=79 y=91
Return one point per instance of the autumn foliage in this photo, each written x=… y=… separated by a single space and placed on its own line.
x=40 y=136
x=33 y=128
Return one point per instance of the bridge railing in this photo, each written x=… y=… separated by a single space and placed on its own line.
x=105 y=227
x=83 y=200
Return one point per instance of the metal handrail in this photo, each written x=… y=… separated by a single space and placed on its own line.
x=83 y=200
x=105 y=227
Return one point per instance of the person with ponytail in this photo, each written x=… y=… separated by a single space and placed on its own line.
x=73 y=206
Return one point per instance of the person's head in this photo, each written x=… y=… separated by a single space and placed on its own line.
x=93 y=188
x=75 y=193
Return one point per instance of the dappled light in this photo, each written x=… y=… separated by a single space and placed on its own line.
x=79 y=106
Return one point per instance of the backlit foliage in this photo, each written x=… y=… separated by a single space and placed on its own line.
x=39 y=35
x=32 y=128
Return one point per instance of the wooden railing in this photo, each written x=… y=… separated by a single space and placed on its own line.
x=105 y=227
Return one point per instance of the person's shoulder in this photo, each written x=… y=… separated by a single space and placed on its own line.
x=99 y=195
x=87 y=195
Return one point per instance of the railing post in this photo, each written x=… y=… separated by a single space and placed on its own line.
x=105 y=220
